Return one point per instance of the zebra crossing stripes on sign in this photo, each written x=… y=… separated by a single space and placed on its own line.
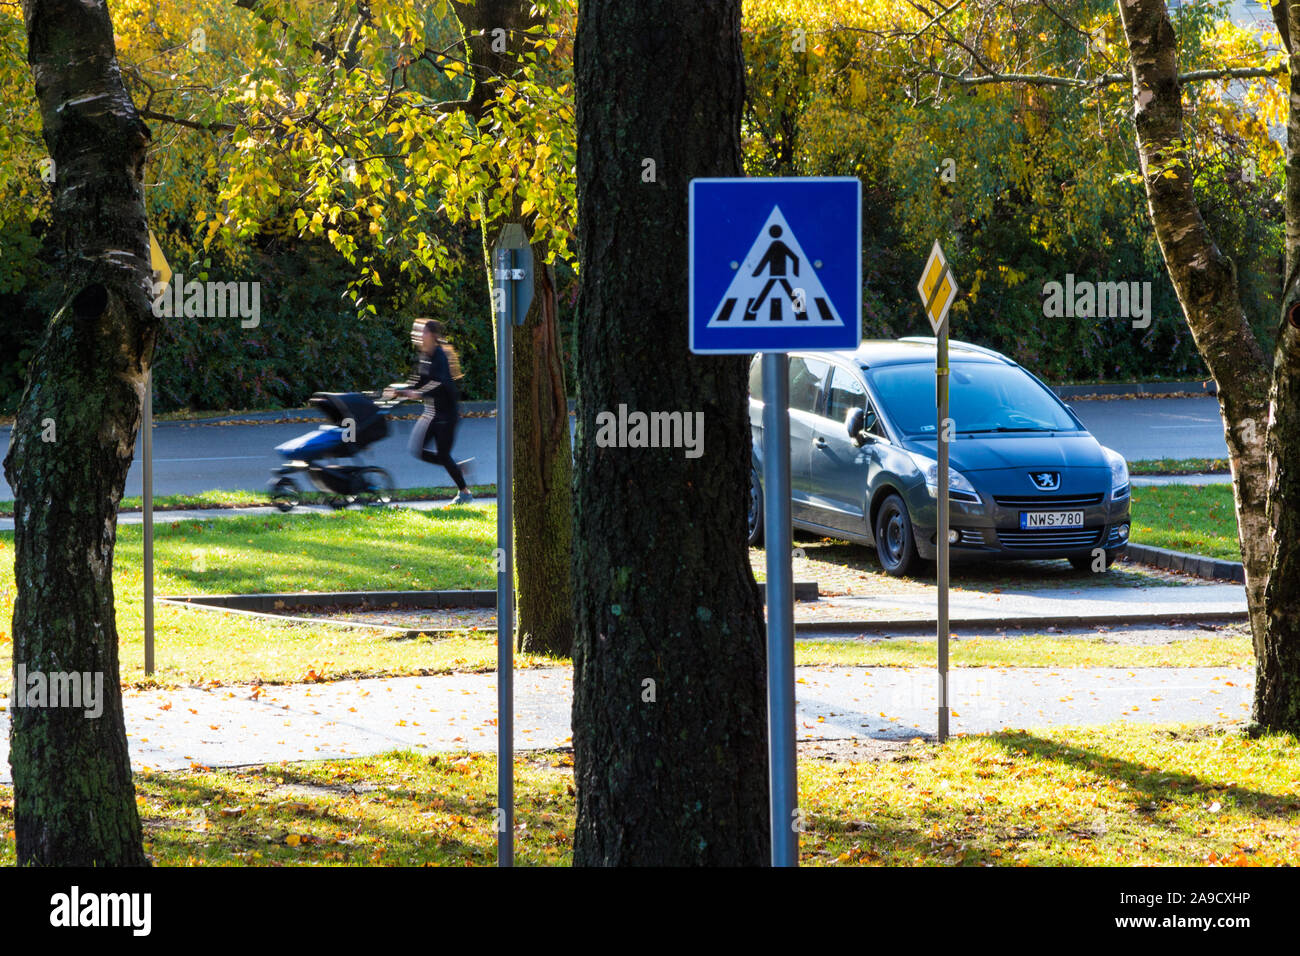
x=776 y=282
x=775 y=264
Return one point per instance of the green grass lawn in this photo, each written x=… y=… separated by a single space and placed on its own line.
x=1119 y=795
x=360 y=549
x=401 y=549
x=1198 y=519
x=1178 y=466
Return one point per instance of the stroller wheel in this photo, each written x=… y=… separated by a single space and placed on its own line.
x=285 y=495
x=339 y=503
x=378 y=485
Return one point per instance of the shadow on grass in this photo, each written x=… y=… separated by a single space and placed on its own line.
x=1155 y=783
x=327 y=830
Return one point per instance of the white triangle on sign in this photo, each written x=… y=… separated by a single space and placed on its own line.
x=776 y=284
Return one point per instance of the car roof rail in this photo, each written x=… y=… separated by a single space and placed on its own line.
x=952 y=343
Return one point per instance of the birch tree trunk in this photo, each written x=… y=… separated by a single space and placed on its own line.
x=1261 y=418
x=1277 y=677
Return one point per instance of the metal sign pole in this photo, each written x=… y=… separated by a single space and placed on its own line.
x=148 y=522
x=505 y=565
x=938 y=289
x=784 y=792
x=941 y=391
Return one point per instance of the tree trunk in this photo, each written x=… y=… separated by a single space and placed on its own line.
x=543 y=457
x=543 y=474
x=669 y=712
x=1277 y=675
x=72 y=444
x=1206 y=283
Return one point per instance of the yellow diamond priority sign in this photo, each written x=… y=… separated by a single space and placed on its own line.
x=158 y=262
x=938 y=288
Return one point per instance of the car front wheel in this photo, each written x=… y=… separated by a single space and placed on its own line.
x=895 y=541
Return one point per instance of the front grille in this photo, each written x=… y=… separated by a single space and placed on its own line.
x=1037 y=501
x=1045 y=538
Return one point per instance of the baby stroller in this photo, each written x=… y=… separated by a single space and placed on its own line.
x=324 y=454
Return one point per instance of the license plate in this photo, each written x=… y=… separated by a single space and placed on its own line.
x=1050 y=519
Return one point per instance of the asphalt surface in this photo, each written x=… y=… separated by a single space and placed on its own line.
x=228 y=726
x=1145 y=428
x=191 y=458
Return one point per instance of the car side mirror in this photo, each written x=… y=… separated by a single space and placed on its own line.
x=856 y=424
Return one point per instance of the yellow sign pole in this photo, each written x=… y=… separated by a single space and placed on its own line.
x=938 y=289
x=162 y=275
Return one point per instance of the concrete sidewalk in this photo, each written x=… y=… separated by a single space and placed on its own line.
x=229 y=726
x=1048 y=605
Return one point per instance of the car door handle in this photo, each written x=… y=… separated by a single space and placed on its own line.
x=819 y=442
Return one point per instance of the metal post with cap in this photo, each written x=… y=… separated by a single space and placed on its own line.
x=512 y=294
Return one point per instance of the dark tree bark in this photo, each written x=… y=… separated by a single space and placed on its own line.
x=674 y=772
x=1259 y=427
x=72 y=443
x=1277 y=676
x=543 y=458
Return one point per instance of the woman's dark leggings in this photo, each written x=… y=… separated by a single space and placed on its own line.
x=439 y=431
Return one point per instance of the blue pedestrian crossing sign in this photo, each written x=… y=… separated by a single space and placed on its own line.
x=776 y=264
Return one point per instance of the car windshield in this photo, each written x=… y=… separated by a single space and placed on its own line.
x=984 y=398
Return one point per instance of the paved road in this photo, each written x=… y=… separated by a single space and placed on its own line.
x=173 y=729
x=1157 y=427
x=193 y=458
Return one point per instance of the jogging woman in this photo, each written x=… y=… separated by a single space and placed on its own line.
x=434 y=383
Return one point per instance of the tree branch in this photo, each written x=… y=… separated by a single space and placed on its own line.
x=1106 y=79
x=188 y=124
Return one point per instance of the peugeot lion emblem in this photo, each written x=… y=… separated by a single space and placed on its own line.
x=1046 y=480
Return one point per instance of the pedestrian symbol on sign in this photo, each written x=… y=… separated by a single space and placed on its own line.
x=762 y=283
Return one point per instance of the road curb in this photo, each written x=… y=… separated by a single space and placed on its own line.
x=381 y=600
x=273 y=606
x=294 y=415
x=1067 y=392
x=1211 y=569
x=1144 y=389
x=927 y=626
x=924 y=626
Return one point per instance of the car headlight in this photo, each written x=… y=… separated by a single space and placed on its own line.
x=1118 y=472
x=930 y=469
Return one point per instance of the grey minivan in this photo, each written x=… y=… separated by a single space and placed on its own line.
x=1026 y=479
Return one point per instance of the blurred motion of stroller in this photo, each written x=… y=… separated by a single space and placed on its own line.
x=330 y=456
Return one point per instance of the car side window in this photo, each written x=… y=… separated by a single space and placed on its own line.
x=847 y=392
x=807 y=378
x=756 y=378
